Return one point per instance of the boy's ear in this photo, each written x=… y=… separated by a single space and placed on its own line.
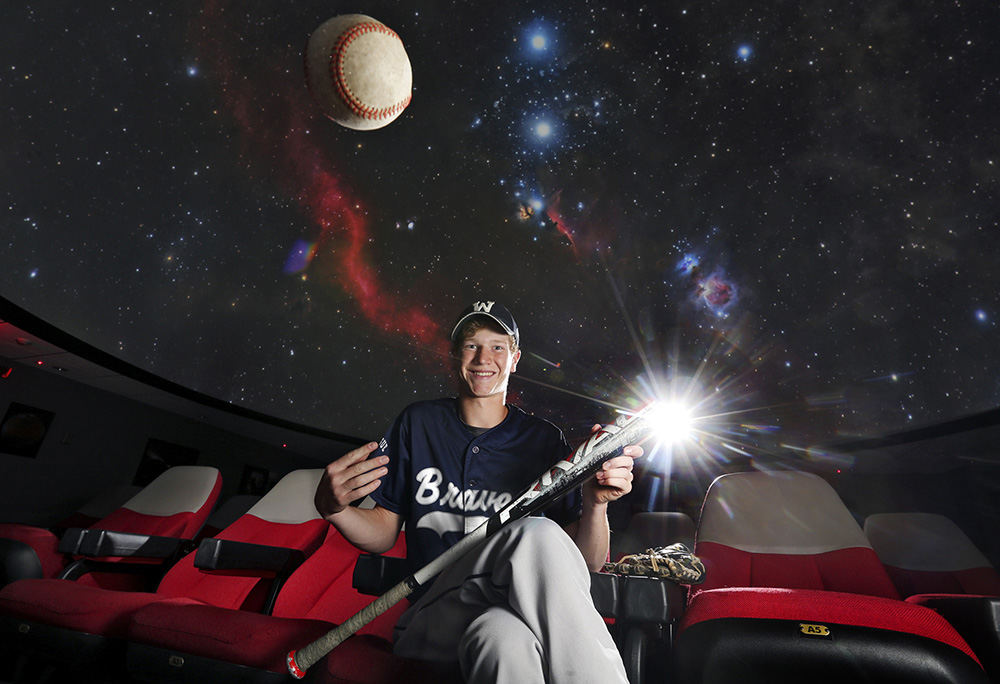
x=517 y=357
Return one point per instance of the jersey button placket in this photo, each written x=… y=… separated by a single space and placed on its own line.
x=472 y=483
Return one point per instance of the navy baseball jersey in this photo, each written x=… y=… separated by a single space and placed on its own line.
x=445 y=481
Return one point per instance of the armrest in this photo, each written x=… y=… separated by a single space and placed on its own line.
x=374 y=575
x=976 y=618
x=99 y=543
x=637 y=599
x=651 y=599
x=226 y=554
x=605 y=589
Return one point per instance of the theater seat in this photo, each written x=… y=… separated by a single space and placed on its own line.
x=227 y=513
x=101 y=506
x=927 y=553
x=170 y=641
x=935 y=564
x=176 y=504
x=76 y=624
x=794 y=592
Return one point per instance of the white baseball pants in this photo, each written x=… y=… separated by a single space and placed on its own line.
x=517 y=612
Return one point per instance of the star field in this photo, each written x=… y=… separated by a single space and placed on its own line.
x=798 y=200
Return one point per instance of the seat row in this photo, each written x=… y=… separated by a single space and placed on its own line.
x=794 y=589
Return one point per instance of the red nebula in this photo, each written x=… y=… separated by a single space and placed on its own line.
x=274 y=134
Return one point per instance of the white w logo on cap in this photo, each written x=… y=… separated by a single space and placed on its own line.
x=480 y=307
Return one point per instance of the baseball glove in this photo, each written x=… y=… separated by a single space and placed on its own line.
x=674 y=562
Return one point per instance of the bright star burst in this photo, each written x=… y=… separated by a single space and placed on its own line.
x=540 y=41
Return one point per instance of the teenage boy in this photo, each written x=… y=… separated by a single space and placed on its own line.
x=517 y=609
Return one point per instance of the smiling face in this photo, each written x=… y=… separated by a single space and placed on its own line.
x=485 y=360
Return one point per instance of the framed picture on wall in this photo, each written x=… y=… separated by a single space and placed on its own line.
x=160 y=455
x=23 y=429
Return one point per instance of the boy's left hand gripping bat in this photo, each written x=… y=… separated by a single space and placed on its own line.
x=562 y=478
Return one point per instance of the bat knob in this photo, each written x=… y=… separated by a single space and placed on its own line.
x=293 y=667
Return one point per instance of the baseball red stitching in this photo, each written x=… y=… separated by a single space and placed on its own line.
x=337 y=72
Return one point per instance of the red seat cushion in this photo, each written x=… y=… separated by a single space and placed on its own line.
x=368 y=659
x=236 y=636
x=979 y=581
x=826 y=607
x=853 y=570
x=70 y=605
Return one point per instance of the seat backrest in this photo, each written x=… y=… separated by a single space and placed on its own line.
x=653 y=529
x=285 y=516
x=927 y=553
x=784 y=529
x=322 y=587
x=228 y=512
x=176 y=504
x=101 y=506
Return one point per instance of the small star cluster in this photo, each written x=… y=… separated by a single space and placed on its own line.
x=799 y=199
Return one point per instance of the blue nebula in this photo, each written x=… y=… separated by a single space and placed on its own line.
x=688 y=264
x=744 y=52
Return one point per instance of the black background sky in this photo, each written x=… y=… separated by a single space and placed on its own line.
x=796 y=203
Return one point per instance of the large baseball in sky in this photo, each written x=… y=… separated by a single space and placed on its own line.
x=358 y=71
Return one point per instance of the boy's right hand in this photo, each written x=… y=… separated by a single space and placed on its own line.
x=351 y=477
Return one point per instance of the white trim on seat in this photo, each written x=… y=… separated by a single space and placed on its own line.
x=923 y=542
x=180 y=489
x=787 y=512
x=290 y=501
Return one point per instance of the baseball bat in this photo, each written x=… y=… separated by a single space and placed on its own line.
x=560 y=479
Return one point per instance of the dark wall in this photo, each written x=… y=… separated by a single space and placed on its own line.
x=97 y=439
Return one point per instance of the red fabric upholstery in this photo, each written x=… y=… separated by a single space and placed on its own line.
x=854 y=570
x=368 y=659
x=231 y=590
x=182 y=524
x=980 y=581
x=825 y=607
x=322 y=587
x=44 y=542
x=85 y=608
x=782 y=546
x=237 y=636
x=94 y=610
x=72 y=606
x=315 y=598
x=927 y=553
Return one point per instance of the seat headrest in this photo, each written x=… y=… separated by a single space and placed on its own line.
x=180 y=489
x=786 y=512
x=291 y=500
x=922 y=541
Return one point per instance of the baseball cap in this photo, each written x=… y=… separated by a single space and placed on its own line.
x=497 y=312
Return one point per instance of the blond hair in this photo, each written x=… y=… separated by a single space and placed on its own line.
x=474 y=325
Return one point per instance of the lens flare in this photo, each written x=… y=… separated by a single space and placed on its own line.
x=673 y=422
